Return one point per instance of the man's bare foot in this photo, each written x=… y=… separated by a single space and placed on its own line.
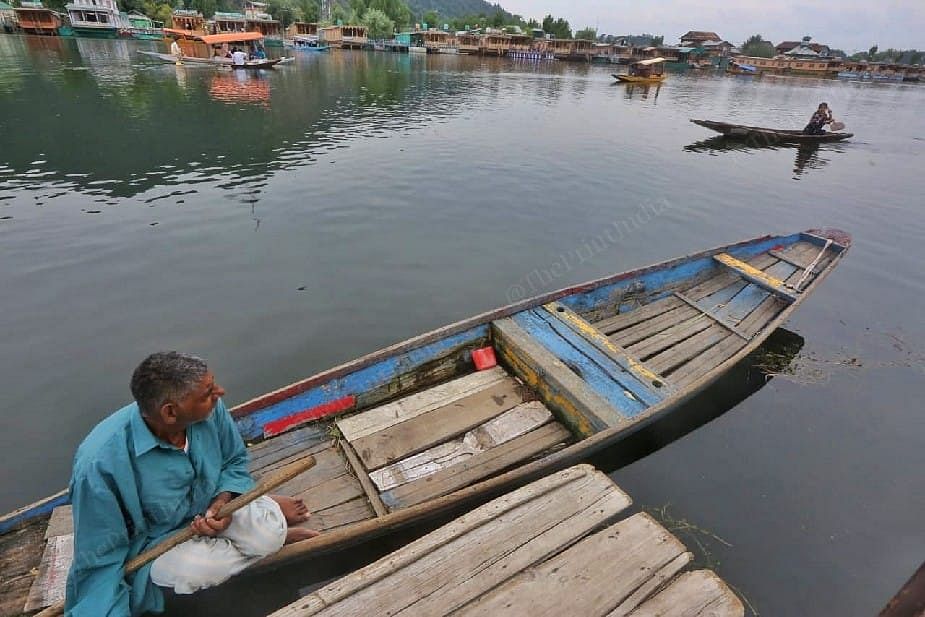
x=297 y=534
x=294 y=510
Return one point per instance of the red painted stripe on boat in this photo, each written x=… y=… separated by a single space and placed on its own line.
x=278 y=426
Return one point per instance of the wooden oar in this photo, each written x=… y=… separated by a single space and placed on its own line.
x=266 y=484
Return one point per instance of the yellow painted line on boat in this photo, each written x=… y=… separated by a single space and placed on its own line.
x=593 y=334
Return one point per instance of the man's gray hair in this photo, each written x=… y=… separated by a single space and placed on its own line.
x=165 y=376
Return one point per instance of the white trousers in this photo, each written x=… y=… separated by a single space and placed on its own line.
x=256 y=530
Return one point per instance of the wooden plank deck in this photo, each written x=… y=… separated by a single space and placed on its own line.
x=553 y=547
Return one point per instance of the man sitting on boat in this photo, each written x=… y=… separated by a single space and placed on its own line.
x=175 y=50
x=172 y=458
x=821 y=117
x=238 y=57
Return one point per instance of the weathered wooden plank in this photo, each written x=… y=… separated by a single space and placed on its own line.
x=384 y=416
x=671 y=336
x=576 y=405
x=595 y=369
x=368 y=488
x=739 y=307
x=426 y=430
x=286 y=455
x=49 y=585
x=459 y=557
x=718 y=318
x=329 y=464
x=607 y=567
x=61 y=522
x=689 y=349
x=514 y=423
x=630 y=318
x=697 y=367
x=483 y=465
x=693 y=594
x=659 y=577
x=719 y=298
x=724 y=277
x=272 y=450
x=754 y=275
x=640 y=372
x=20 y=555
x=765 y=311
x=331 y=492
x=644 y=330
x=342 y=514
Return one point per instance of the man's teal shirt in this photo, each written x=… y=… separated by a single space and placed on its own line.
x=130 y=490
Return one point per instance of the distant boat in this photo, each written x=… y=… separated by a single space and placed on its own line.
x=643 y=71
x=735 y=68
x=207 y=48
x=305 y=42
x=489 y=403
x=144 y=28
x=97 y=19
x=741 y=131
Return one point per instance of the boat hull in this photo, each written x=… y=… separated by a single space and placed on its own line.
x=587 y=407
x=217 y=62
x=95 y=33
x=634 y=79
x=741 y=131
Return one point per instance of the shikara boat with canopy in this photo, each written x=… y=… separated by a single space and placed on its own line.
x=489 y=403
x=209 y=49
x=650 y=70
x=784 y=136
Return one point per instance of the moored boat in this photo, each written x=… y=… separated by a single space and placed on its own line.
x=497 y=400
x=643 y=71
x=98 y=19
x=742 y=131
x=306 y=42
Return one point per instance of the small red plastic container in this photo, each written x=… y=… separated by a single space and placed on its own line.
x=484 y=358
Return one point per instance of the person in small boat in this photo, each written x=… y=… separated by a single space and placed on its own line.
x=259 y=53
x=175 y=50
x=821 y=117
x=169 y=460
x=238 y=57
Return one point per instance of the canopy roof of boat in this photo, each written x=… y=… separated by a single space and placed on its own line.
x=649 y=61
x=215 y=39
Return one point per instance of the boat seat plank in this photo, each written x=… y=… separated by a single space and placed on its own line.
x=332 y=492
x=61 y=522
x=599 y=372
x=721 y=320
x=693 y=594
x=51 y=580
x=474 y=553
x=724 y=277
x=514 y=423
x=379 y=418
x=754 y=275
x=644 y=330
x=690 y=348
x=369 y=489
x=739 y=307
x=274 y=450
x=483 y=465
x=647 y=379
x=610 y=565
x=566 y=394
x=421 y=432
x=670 y=337
x=287 y=455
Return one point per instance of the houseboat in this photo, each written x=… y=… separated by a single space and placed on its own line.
x=305 y=42
x=98 y=19
x=433 y=40
x=8 y=20
x=332 y=36
x=144 y=28
x=191 y=21
x=223 y=23
x=258 y=20
x=34 y=18
x=354 y=37
x=467 y=42
x=302 y=28
x=495 y=44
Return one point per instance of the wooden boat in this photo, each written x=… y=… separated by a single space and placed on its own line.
x=741 y=131
x=492 y=402
x=306 y=42
x=265 y=63
x=209 y=49
x=644 y=71
x=735 y=68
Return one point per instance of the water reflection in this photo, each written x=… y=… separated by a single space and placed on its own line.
x=240 y=87
x=808 y=156
x=641 y=91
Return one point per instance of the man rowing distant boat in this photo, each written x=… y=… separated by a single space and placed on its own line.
x=821 y=117
x=172 y=458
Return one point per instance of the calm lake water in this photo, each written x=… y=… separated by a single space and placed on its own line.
x=281 y=223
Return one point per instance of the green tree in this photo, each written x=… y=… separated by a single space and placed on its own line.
x=338 y=13
x=872 y=52
x=588 y=33
x=308 y=10
x=533 y=24
x=431 y=18
x=658 y=41
x=397 y=10
x=757 y=47
x=379 y=24
x=281 y=11
x=497 y=20
x=206 y=7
